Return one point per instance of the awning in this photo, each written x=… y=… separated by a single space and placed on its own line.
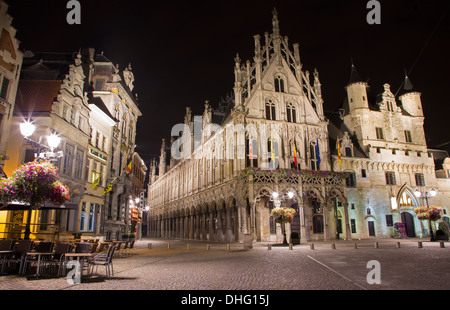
x=17 y=206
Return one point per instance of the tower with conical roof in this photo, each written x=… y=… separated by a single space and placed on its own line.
x=356 y=92
x=410 y=99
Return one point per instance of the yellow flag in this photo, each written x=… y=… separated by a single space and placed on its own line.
x=109 y=187
x=96 y=181
x=339 y=153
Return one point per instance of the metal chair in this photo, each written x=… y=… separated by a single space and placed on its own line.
x=83 y=247
x=19 y=253
x=42 y=247
x=5 y=245
x=104 y=260
x=58 y=258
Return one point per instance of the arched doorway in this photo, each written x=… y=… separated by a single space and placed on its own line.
x=408 y=220
x=295 y=225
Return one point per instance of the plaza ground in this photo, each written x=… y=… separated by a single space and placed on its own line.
x=217 y=267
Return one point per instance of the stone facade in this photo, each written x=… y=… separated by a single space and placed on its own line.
x=215 y=190
x=216 y=181
x=10 y=64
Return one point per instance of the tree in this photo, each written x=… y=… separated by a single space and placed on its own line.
x=283 y=216
x=431 y=214
x=34 y=184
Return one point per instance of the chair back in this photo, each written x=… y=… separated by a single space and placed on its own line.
x=94 y=247
x=6 y=245
x=62 y=248
x=111 y=254
x=132 y=244
x=44 y=247
x=22 y=247
x=83 y=247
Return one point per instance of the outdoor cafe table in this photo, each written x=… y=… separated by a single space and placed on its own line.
x=81 y=257
x=4 y=254
x=39 y=255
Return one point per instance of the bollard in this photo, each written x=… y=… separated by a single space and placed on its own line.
x=376 y=245
x=333 y=246
x=149 y=245
x=228 y=247
x=168 y=245
x=442 y=244
x=398 y=245
x=188 y=247
x=419 y=244
x=291 y=246
x=356 y=246
x=208 y=247
x=269 y=247
x=311 y=246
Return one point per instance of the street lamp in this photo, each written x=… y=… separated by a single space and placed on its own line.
x=27 y=129
x=425 y=195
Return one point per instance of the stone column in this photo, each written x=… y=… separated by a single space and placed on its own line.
x=326 y=235
x=303 y=224
x=219 y=225
x=348 y=232
x=211 y=226
x=229 y=233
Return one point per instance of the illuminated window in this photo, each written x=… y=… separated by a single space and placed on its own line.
x=279 y=84
x=270 y=110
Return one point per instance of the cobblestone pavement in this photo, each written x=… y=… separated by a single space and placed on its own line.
x=302 y=268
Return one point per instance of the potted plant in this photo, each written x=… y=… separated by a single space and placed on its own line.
x=131 y=237
x=283 y=216
x=295 y=238
x=125 y=237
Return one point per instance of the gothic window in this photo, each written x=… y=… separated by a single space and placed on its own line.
x=348 y=151
x=4 y=89
x=290 y=111
x=279 y=84
x=274 y=155
x=313 y=157
x=270 y=110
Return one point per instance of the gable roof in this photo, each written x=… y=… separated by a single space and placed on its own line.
x=36 y=96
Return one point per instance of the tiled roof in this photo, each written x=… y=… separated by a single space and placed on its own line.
x=36 y=96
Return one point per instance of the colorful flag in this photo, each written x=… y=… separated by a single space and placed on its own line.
x=318 y=153
x=96 y=181
x=109 y=187
x=339 y=153
x=130 y=161
x=295 y=154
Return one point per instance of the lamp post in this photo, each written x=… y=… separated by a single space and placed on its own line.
x=27 y=129
x=432 y=193
x=277 y=200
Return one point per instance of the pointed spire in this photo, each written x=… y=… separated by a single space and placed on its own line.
x=406 y=86
x=275 y=23
x=354 y=76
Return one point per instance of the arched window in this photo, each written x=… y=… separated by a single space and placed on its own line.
x=290 y=111
x=270 y=110
x=279 y=84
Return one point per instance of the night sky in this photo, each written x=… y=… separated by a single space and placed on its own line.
x=182 y=52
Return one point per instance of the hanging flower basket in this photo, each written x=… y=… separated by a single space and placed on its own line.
x=34 y=183
x=283 y=215
x=432 y=213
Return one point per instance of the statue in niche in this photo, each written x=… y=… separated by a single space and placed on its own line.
x=128 y=77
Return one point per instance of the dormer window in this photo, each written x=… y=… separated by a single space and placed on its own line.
x=279 y=84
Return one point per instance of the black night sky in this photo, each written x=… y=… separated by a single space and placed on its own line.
x=182 y=52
